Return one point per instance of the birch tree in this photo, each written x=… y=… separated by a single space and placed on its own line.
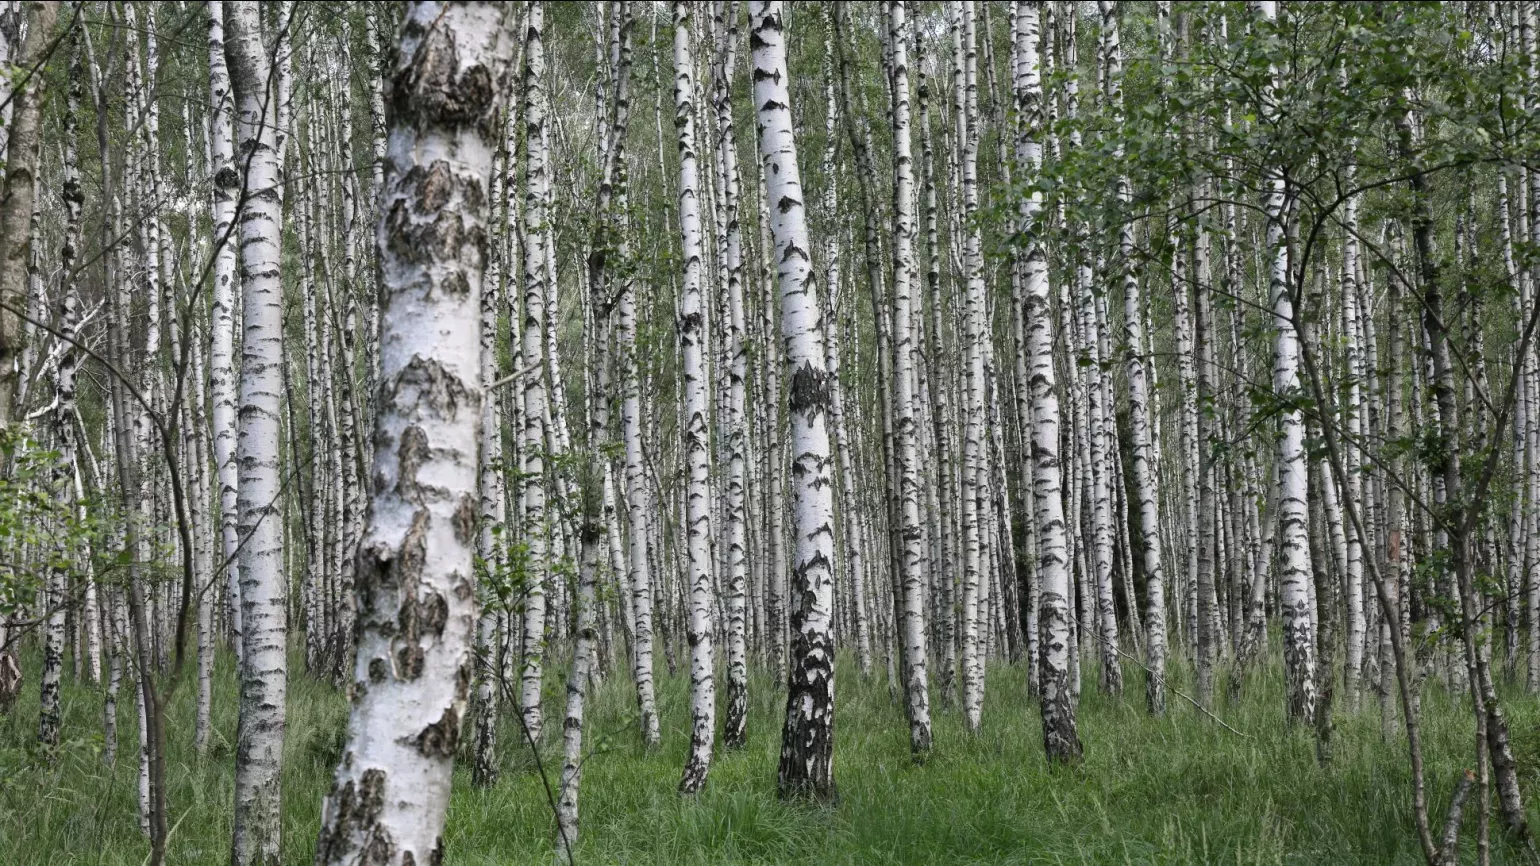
x=696 y=454
x=1293 y=510
x=536 y=181
x=1055 y=601
x=264 y=663
x=1139 y=395
x=807 y=740
x=577 y=690
x=415 y=579
x=62 y=421
x=973 y=411
x=639 y=566
x=225 y=190
x=916 y=685
x=491 y=519
x=735 y=725
x=18 y=193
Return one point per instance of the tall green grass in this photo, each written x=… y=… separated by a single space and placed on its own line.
x=1174 y=790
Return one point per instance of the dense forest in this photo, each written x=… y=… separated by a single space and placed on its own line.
x=414 y=415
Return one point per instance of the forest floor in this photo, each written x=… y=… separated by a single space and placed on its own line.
x=1175 y=790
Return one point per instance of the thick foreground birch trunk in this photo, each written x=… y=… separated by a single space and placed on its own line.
x=264 y=660
x=415 y=578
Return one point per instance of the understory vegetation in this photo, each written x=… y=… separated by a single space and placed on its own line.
x=1177 y=789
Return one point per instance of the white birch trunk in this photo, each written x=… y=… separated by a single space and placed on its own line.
x=734 y=734
x=416 y=598
x=225 y=190
x=200 y=501
x=942 y=576
x=1293 y=511
x=1056 y=599
x=18 y=194
x=1356 y=620
x=807 y=742
x=577 y=692
x=692 y=339
x=264 y=665
x=1139 y=395
x=916 y=685
x=854 y=550
x=973 y=410
x=490 y=513
x=639 y=573
x=536 y=179
x=65 y=365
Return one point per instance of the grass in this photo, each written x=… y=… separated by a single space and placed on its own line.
x=1172 y=790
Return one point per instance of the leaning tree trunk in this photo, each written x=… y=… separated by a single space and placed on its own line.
x=65 y=366
x=132 y=624
x=415 y=578
x=264 y=663
x=807 y=741
x=692 y=338
x=1461 y=516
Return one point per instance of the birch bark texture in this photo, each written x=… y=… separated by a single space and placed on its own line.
x=1139 y=397
x=484 y=770
x=1293 y=508
x=18 y=194
x=65 y=476
x=974 y=613
x=415 y=575
x=692 y=337
x=264 y=661
x=638 y=564
x=735 y=732
x=225 y=189
x=1061 y=742
x=807 y=740
x=536 y=182
x=911 y=531
x=577 y=688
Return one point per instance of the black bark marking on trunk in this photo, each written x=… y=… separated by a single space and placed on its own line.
x=358 y=812
x=465 y=525
x=431 y=386
x=402 y=574
x=808 y=393
x=434 y=91
x=440 y=739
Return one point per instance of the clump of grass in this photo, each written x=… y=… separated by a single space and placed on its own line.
x=1179 y=789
